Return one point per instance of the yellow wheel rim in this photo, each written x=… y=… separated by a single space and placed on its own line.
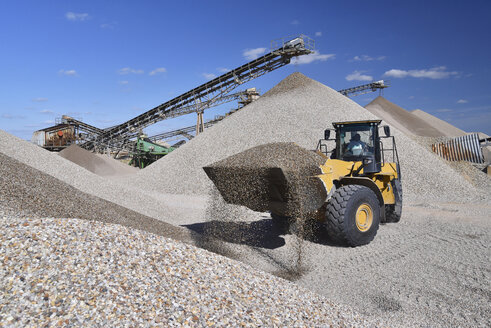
x=364 y=217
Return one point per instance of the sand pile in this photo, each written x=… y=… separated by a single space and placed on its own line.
x=26 y=191
x=446 y=128
x=297 y=110
x=81 y=179
x=101 y=165
x=401 y=119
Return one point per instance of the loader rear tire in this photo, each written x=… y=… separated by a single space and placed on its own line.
x=393 y=212
x=353 y=215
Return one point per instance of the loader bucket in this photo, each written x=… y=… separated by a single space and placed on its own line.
x=276 y=177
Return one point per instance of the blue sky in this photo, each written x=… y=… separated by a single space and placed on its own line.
x=108 y=61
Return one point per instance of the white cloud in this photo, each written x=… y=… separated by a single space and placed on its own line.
x=316 y=56
x=80 y=17
x=12 y=117
x=123 y=82
x=358 y=76
x=251 y=54
x=223 y=70
x=318 y=33
x=47 y=111
x=295 y=22
x=110 y=26
x=432 y=73
x=368 y=58
x=158 y=70
x=40 y=99
x=128 y=70
x=209 y=76
x=70 y=72
x=49 y=122
x=462 y=101
x=411 y=97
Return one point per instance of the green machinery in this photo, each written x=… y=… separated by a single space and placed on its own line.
x=146 y=152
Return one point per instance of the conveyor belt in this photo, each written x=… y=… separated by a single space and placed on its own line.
x=208 y=92
x=365 y=88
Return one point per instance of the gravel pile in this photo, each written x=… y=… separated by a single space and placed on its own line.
x=448 y=129
x=402 y=119
x=297 y=110
x=51 y=277
x=272 y=175
x=101 y=165
x=81 y=179
x=26 y=191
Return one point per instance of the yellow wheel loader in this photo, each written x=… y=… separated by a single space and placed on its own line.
x=348 y=190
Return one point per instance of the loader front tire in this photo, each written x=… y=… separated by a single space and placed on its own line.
x=352 y=215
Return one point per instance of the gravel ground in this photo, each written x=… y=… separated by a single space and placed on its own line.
x=430 y=270
x=297 y=110
x=71 y=272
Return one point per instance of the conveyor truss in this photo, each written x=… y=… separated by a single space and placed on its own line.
x=205 y=95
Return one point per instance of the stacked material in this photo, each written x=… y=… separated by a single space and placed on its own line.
x=26 y=191
x=81 y=179
x=101 y=165
x=126 y=278
x=297 y=110
x=446 y=128
x=401 y=119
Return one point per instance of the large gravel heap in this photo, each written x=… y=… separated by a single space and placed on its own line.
x=78 y=177
x=402 y=119
x=28 y=192
x=297 y=110
x=446 y=128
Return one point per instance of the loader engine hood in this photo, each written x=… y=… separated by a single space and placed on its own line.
x=277 y=177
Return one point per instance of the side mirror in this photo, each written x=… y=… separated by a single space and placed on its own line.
x=387 y=130
x=327 y=133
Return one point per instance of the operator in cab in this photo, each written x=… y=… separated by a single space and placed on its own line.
x=356 y=146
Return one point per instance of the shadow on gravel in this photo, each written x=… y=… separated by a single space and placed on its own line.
x=262 y=233
x=386 y=304
x=256 y=234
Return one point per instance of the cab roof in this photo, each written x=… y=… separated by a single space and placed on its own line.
x=366 y=122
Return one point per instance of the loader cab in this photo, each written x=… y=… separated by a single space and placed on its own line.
x=359 y=142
